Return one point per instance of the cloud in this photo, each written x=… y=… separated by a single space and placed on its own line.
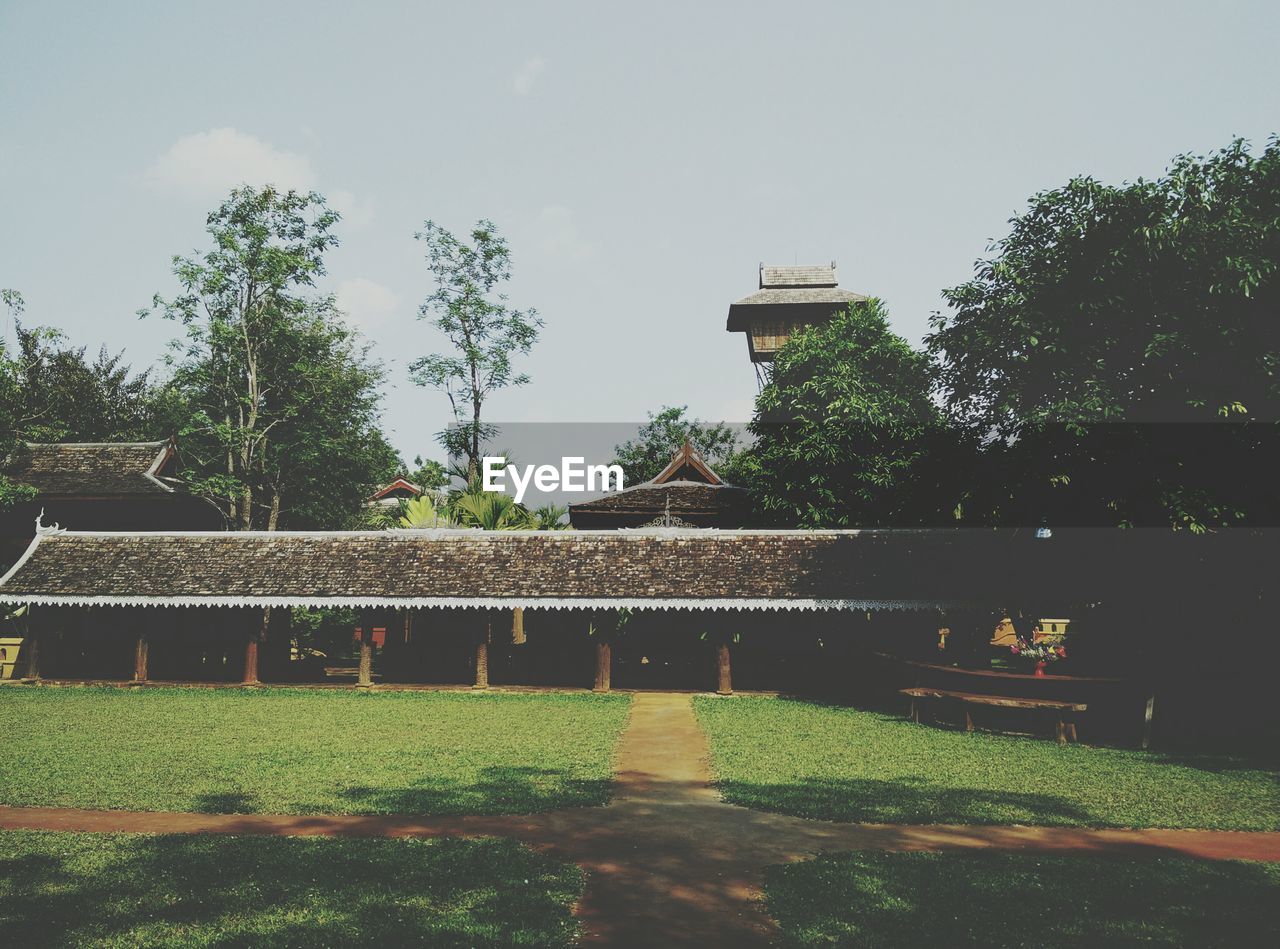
x=355 y=213
x=206 y=165
x=218 y=160
x=558 y=235
x=366 y=303
x=522 y=82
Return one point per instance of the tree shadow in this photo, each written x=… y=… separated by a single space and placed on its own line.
x=903 y=800
x=61 y=888
x=225 y=802
x=496 y=790
x=1006 y=899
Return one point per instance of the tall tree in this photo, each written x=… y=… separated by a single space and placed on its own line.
x=1115 y=336
x=846 y=434
x=485 y=333
x=279 y=398
x=644 y=456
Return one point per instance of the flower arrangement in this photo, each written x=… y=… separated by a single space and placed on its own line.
x=1040 y=654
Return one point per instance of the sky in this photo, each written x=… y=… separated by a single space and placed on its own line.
x=641 y=159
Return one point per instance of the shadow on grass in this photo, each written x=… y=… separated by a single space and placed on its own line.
x=905 y=800
x=58 y=889
x=225 y=802
x=496 y=790
x=990 y=899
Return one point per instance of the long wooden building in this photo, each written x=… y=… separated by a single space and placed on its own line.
x=144 y=601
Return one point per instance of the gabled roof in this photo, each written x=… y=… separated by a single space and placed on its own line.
x=685 y=462
x=686 y=488
x=400 y=484
x=94 y=469
x=659 y=568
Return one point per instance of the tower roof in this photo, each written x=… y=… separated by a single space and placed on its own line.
x=806 y=293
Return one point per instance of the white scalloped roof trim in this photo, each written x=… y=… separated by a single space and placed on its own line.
x=498 y=602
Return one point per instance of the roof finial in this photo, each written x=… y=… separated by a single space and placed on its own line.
x=42 y=530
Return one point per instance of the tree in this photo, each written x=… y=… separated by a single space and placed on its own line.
x=10 y=408
x=68 y=397
x=644 y=457
x=430 y=475
x=279 y=397
x=52 y=392
x=1111 y=339
x=483 y=330
x=845 y=430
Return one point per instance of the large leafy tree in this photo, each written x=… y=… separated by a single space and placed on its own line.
x=665 y=433
x=485 y=333
x=846 y=434
x=279 y=400
x=1121 y=348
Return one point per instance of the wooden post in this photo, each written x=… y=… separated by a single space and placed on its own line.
x=725 y=674
x=251 y=658
x=31 y=647
x=482 y=656
x=1146 y=722
x=604 y=665
x=140 y=659
x=365 y=679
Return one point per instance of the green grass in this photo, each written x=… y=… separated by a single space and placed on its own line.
x=850 y=765
x=139 y=890
x=303 y=751
x=990 y=900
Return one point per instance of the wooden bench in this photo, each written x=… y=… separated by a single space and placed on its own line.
x=1065 y=710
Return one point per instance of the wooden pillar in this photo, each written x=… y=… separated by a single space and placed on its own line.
x=482 y=655
x=724 y=685
x=140 y=649
x=365 y=678
x=31 y=646
x=1148 y=713
x=251 y=644
x=604 y=665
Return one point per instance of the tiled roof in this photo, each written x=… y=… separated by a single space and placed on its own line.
x=798 y=293
x=698 y=503
x=794 y=295
x=800 y=276
x=658 y=568
x=104 y=469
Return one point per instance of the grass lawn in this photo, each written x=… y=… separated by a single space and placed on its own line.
x=929 y=899
x=306 y=751
x=850 y=765
x=133 y=890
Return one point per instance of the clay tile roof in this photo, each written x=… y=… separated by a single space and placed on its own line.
x=92 y=469
x=686 y=569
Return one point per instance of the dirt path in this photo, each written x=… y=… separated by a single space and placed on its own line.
x=669 y=863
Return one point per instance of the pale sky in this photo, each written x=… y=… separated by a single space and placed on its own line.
x=642 y=159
